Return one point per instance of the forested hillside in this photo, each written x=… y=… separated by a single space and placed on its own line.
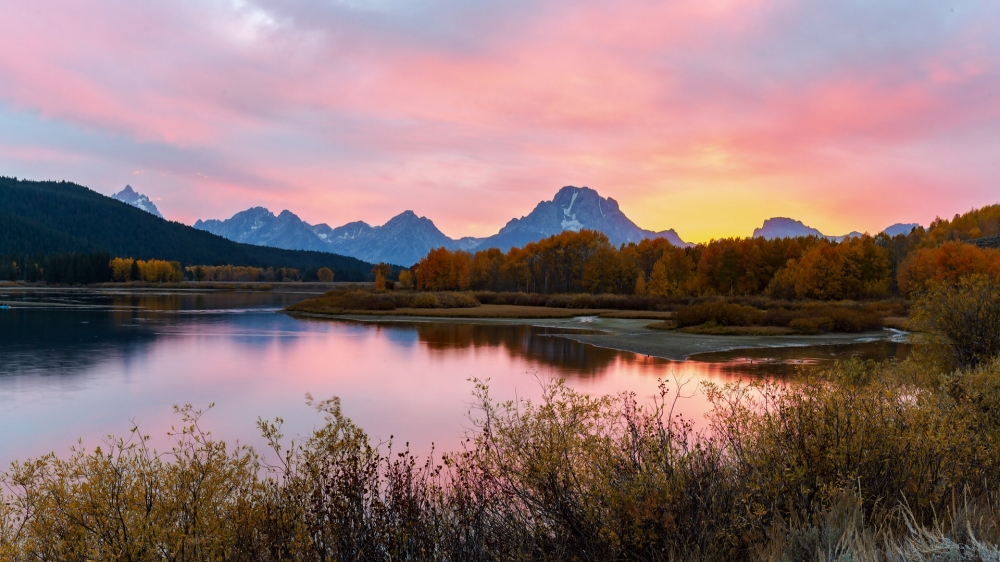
x=57 y=217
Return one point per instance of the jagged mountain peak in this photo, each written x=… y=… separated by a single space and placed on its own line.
x=572 y=209
x=131 y=197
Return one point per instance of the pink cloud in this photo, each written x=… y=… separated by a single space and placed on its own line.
x=684 y=112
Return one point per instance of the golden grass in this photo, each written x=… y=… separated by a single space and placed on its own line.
x=897 y=322
x=740 y=330
x=638 y=314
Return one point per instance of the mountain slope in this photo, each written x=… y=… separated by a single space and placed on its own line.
x=405 y=240
x=63 y=217
x=137 y=200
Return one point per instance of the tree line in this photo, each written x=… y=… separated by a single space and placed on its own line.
x=85 y=268
x=864 y=267
x=70 y=268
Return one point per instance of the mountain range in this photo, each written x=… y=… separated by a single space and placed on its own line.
x=407 y=238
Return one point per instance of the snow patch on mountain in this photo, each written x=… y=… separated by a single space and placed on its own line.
x=130 y=197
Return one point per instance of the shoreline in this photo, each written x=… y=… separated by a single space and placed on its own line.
x=628 y=335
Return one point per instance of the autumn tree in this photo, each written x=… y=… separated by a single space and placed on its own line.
x=640 y=285
x=383 y=268
x=947 y=263
x=405 y=279
x=325 y=274
x=121 y=269
x=819 y=274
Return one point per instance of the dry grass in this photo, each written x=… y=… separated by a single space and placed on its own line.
x=897 y=322
x=638 y=314
x=709 y=330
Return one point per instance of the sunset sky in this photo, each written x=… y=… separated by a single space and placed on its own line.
x=703 y=116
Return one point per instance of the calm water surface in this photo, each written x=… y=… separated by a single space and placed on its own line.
x=123 y=358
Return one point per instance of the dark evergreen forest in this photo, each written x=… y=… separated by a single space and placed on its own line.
x=39 y=219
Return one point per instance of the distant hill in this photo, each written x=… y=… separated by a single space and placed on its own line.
x=900 y=228
x=47 y=217
x=783 y=227
x=137 y=200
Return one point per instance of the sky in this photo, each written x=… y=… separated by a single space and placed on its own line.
x=707 y=117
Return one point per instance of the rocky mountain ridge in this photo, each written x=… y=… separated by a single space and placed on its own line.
x=130 y=197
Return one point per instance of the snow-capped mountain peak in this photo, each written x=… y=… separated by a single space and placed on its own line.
x=130 y=197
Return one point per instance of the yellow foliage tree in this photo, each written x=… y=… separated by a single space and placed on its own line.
x=820 y=274
x=121 y=269
x=659 y=283
x=405 y=279
x=640 y=285
x=325 y=274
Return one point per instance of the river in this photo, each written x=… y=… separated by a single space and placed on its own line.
x=80 y=364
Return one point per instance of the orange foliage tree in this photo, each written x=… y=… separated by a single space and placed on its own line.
x=949 y=262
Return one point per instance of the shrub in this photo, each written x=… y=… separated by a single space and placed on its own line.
x=860 y=460
x=719 y=313
x=963 y=318
x=336 y=301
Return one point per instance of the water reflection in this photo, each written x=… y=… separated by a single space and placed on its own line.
x=50 y=342
x=789 y=361
x=535 y=344
x=87 y=372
